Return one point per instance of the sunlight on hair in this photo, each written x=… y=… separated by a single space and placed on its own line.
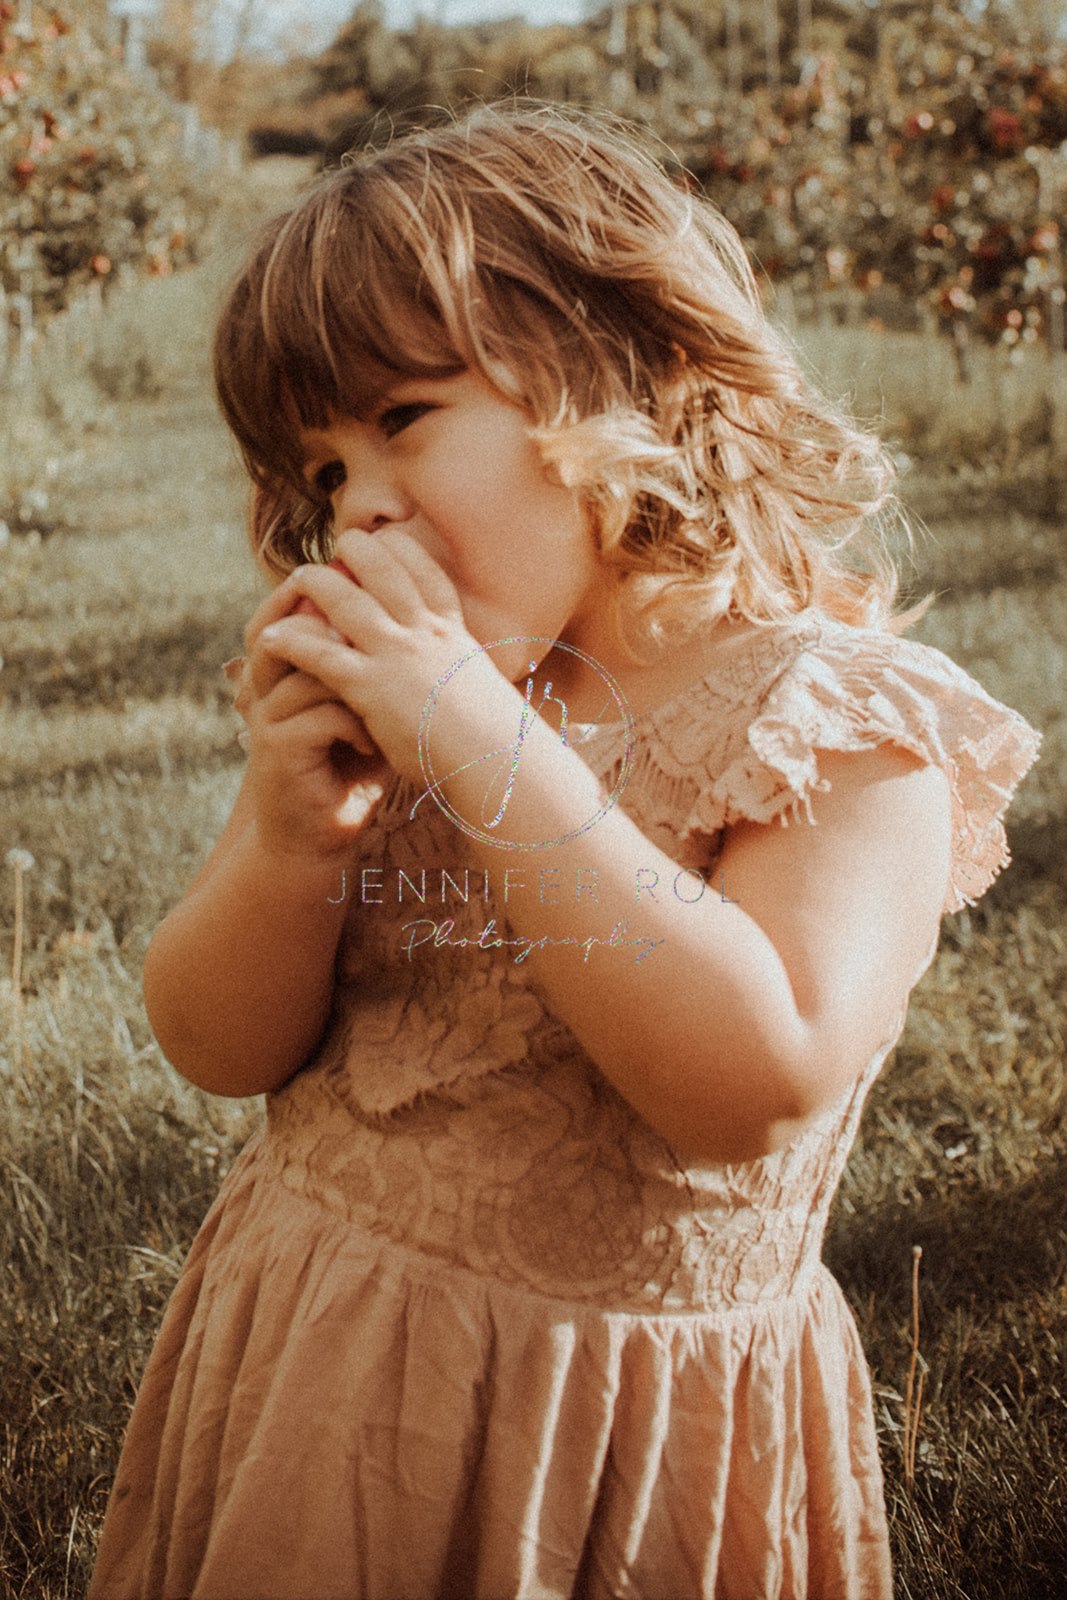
x=548 y=250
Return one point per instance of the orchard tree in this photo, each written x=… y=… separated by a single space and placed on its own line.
x=93 y=178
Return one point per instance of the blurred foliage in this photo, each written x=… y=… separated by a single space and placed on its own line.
x=924 y=162
x=93 y=178
x=902 y=159
x=905 y=161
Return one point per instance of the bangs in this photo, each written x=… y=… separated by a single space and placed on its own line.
x=332 y=309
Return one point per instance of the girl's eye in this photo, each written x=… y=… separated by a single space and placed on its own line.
x=329 y=478
x=396 y=418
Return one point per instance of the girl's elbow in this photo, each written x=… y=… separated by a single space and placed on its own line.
x=830 y=1055
x=204 y=1069
x=711 y=1116
x=202 y=1053
x=765 y=1102
x=218 y=1074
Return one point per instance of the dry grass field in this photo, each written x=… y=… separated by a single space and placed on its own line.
x=119 y=766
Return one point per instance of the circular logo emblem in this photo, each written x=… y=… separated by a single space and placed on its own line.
x=509 y=757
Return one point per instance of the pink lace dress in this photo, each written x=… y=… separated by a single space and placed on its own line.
x=459 y=1324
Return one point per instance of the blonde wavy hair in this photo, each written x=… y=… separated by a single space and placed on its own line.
x=544 y=248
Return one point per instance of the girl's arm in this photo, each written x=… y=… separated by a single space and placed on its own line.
x=238 y=978
x=751 y=1017
x=748 y=1018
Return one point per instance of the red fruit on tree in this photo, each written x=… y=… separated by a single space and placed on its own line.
x=1046 y=238
x=1006 y=129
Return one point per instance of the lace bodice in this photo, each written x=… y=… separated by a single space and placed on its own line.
x=449 y=1110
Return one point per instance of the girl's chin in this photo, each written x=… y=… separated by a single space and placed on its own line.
x=516 y=658
x=528 y=660
x=516 y=653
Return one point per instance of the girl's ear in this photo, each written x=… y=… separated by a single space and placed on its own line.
x=505 y=380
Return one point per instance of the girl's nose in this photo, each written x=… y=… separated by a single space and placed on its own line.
x=369 y=499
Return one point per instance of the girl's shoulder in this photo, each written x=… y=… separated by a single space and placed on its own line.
x=748 y=731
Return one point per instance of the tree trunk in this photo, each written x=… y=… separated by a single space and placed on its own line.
x=804 y=27
x=734 y=66
x=772 y=44
x=961 y=344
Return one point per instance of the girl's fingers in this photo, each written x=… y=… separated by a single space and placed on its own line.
x=298 y=692
x=266 y=670
x=400 y=573
x=287 y=599
x=320 y=726
x=396 y=582
x=388 y=575
x=268 y=665
x=329 y=723
x=295 y=692
x=296 y=644
x=361 y=739
x=278 y=603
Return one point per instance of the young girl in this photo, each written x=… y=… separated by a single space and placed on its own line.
x=596 y=825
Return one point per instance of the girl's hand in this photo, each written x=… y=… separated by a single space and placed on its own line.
x=315 y=776
x=392 y=634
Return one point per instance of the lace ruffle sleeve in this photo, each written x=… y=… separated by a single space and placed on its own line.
x=853 y=689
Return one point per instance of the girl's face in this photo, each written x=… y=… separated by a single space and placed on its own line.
x=450 y=461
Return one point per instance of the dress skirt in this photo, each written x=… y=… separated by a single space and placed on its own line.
x=328 y=1415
